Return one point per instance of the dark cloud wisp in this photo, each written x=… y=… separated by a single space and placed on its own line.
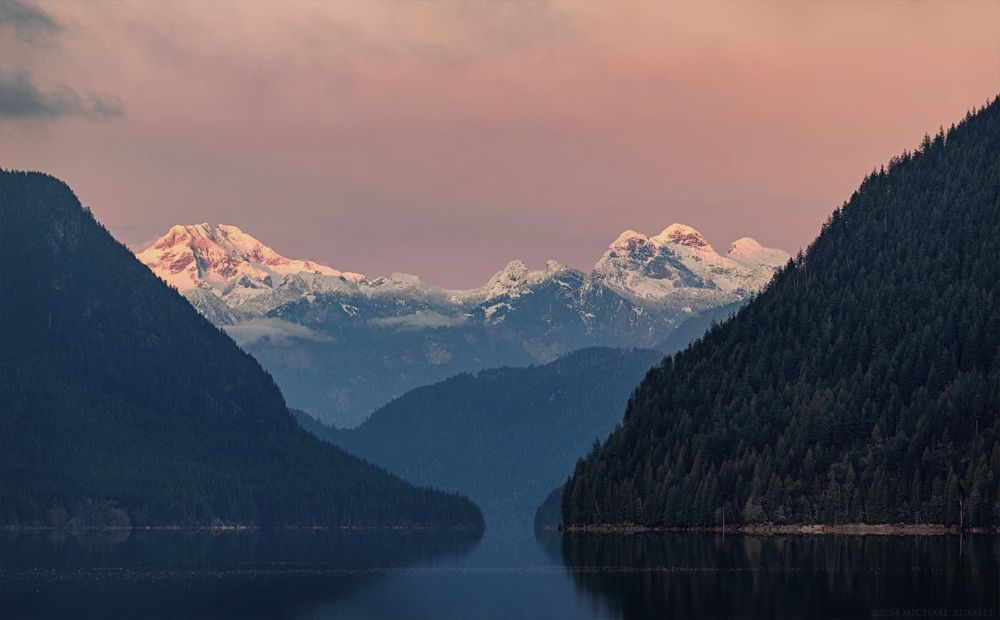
x=27 y=21
x=20 y=98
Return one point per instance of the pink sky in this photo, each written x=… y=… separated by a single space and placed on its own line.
x=445 y=139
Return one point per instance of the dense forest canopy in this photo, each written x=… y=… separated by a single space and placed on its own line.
x=123 y=406
x=863 y=385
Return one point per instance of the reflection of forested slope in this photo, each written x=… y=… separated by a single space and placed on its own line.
x=715 y=576
x=184 y=574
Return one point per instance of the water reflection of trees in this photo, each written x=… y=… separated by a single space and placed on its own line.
x=203 y=574
x=687 y=575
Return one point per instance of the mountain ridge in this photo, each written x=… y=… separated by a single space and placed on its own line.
x=214 y=256
x=340 y=344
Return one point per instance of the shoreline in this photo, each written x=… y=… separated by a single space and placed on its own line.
x=848 y=529
x=235 y=528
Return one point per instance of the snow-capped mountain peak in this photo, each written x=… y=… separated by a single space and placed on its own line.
x=680 y=265
x=749 y=251
x=681 y=234
x=629 y=238
x=745 y=246
x=234 y=276
x=217 y=255
x=515 y=279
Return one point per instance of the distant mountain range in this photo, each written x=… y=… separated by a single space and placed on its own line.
x=341 y=344
x=123 y=406
x=504 y=437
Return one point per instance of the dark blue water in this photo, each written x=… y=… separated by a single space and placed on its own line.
x=335 y=574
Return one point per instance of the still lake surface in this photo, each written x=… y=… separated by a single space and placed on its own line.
x=388 y=575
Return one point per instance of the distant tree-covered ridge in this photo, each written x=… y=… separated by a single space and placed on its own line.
x=863 y=385
x=120 y=405
x=504 y=437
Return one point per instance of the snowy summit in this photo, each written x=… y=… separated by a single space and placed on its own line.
x=676 y=268
x=202 y=254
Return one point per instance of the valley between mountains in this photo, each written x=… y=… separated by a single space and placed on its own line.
x=854 y=384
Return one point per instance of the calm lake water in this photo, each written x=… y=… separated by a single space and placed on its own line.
x=502 y=575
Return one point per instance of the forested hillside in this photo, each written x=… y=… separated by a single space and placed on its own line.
x=123 y=406
x=863 y=385
x=695 y=327
x=504 y=437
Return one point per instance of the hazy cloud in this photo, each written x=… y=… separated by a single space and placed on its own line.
x=28 y=22
x=510 y=26
x=275 y=331
x=418 y=320
x=21 y=98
